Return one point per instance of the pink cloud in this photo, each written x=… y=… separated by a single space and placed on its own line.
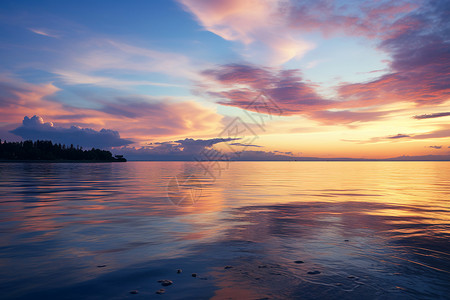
x=137 y=118
x=44 y=32
x=241 y=84
x=368 y=19
x=259 y=25
x=273 y=31
x=419 y=68
x=419 y=73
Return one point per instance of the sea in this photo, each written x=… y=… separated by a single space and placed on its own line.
x=216 y=230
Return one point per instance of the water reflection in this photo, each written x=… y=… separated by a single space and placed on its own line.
x=374 y=230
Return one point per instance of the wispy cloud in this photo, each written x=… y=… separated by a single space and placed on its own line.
x=93 y=61
x=272 y=31
x=44 y=32
x=75 y=78
x=259 y=25
x=398 y=136
x=443 y=132
x=431 y=116
x=435 y=147
x=245 y=145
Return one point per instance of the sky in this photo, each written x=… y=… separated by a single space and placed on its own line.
x=264 y=79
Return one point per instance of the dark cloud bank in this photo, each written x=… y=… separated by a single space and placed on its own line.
x=36 y=129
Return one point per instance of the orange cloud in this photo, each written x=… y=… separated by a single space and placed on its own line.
x=139 y=119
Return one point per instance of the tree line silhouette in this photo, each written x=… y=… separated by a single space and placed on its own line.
x=46 y=150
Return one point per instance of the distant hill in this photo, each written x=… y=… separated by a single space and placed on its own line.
x=46 y=150
x=430 y=157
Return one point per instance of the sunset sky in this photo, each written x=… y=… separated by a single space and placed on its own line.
x=316 y=78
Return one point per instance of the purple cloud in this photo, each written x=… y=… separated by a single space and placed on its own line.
x=420 y=62
x=398 y=136
x=415 y=37
x=245 y=145
x=244 y=83
x=36 y=129
x=443 y=132
x=431 y=116
x=187 y=149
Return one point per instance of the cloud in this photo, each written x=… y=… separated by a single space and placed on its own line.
x=44 y=32
x=420 y=62
x=186 y=149
x=245 y=145
x=259 y=25
x=104 y=55
x=262 y=155
x=138 y=117
x=430 y=116
x=369 y=19
x=192 y=146
x=19 y=98
x=419 y=70
x=440 y=133
x=147 y=117
x=398 y=136
x=36 y=129
x=344 y=116
x=435 y=147
x=200 y=150
x=77 y=78
x=239 y=85
x=394 y=138
x=284 y=91
x=443 y=132
x=273 y=31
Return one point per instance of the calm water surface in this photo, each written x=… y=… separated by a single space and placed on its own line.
x=284 y=230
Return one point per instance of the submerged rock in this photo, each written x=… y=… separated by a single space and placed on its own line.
x=194 y=274
x=299 y=261
x=134 y=292
x=313 y=272
x=160 y=291
x=165 y=282
x=228 y=267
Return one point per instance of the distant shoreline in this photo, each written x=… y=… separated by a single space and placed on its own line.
x=318 y=160
x=116 y=161
x=59 y=161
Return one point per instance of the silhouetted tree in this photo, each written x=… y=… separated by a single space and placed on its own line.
x=46 y=150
